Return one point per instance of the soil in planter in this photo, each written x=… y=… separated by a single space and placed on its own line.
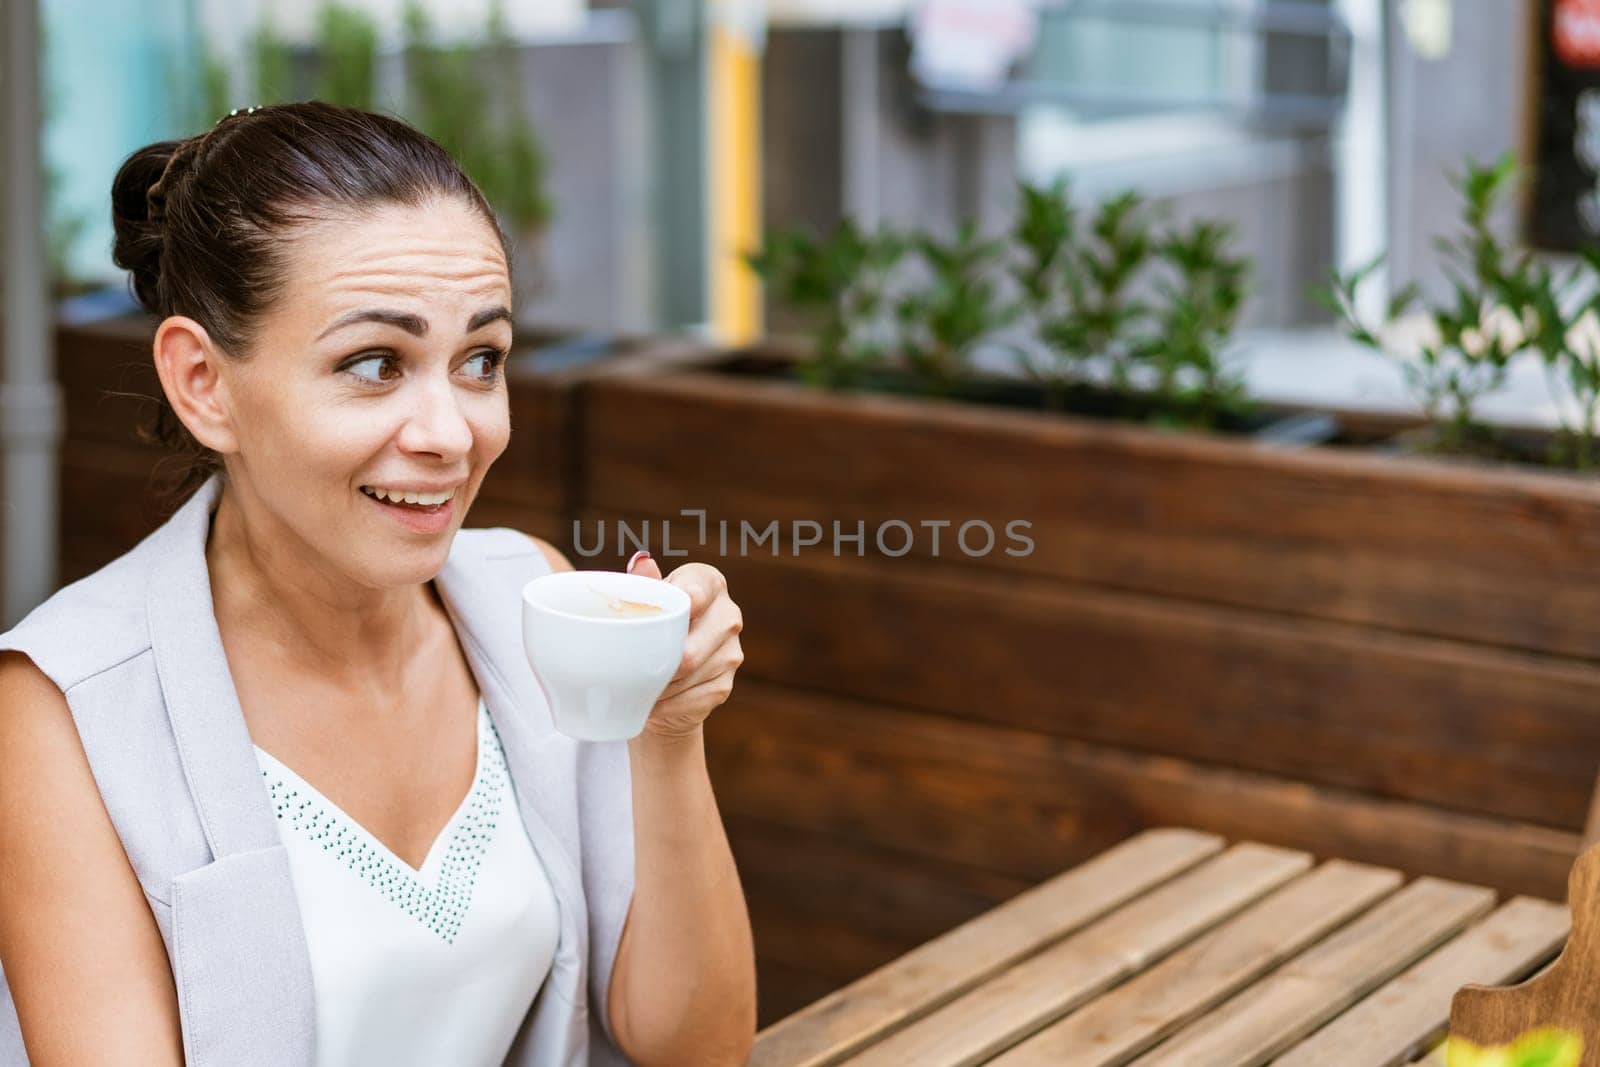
x=1487 y=446
x=1285 y=425
x=1492 y=446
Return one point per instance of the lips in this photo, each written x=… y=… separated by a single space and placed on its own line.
x=418 y=518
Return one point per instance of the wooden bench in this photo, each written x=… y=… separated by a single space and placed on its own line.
x=1177 y=947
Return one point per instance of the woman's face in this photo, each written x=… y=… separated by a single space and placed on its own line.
x=379 y=369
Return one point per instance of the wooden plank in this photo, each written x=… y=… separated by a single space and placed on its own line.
x=1408 y=1016
x=1401 y=717
x=841 y=910
x=108 y=378
x=1027 y=804
x=1316 y=986
x=1493 y=556
x=114 y=493
x=950 y=965
x=1563 y=996
x=1142 y=1011
x=1035 y=993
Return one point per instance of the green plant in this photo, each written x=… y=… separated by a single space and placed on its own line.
x=1545 y=1047
x=347 y=53
x=839 y=283
x=1090 y=322
x=1104 y=315
x=943 y=321
x=1567 y=338
x=1078 y=288
x=274 y=65
x=456 y=96
x=216 y=89
x=1200 y=313
x=1455 y=352
x=453 y=91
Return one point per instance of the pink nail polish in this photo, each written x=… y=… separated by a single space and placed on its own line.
x=635 y=558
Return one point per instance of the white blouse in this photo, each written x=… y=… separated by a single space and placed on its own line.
x=419 y=966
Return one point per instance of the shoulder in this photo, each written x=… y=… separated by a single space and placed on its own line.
x=89 y=626
x=552 y=555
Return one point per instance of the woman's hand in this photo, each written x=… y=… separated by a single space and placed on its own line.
x=711 y=654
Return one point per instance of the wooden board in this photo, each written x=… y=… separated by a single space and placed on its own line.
x=1316 y=986
x=1035 y=993
x=841 y=911
x=1490 y=556
x=1401 y=717
x=1409 y=1015
x=1138 y=1014
x=1026 y=805
x=948 y=966
x=108 y=378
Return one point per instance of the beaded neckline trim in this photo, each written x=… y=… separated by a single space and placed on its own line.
x=441 y=906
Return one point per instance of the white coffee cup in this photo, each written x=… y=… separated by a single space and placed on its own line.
x=601 y=671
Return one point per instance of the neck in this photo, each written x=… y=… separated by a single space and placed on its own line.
x=296 y=607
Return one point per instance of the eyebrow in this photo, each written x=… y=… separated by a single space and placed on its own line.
x=415 y=325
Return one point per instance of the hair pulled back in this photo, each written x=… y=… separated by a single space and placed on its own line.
x=202 y=224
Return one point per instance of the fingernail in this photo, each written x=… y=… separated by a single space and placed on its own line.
x=635 y=558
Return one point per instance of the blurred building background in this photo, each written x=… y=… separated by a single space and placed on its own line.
x=1239 y=108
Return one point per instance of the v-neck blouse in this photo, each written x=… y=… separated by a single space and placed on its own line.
x=437 y=964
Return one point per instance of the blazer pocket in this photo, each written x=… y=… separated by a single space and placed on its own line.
x=240 y=963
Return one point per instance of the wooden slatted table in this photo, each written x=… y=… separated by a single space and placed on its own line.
x=1180 y=949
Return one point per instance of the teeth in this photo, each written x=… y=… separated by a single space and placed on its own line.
x=408 y=497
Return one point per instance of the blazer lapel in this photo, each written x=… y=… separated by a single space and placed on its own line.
x=239 y=951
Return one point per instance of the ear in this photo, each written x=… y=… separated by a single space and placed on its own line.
x=190 y=367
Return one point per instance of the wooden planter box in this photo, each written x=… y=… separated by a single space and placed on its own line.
x=1387 y=659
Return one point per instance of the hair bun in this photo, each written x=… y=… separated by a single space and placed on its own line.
x=138 y=205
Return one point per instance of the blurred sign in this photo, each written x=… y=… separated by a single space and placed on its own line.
x=1564 y=207
x=1575 y=32
x=971 y=44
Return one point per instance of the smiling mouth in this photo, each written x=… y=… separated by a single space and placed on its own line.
x=423 y=502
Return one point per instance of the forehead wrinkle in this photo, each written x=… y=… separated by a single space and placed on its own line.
x=409 y=282
x=367 y=275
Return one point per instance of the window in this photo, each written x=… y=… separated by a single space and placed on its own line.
x=1116 y=87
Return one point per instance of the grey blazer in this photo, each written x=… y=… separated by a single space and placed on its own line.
x=136 y=649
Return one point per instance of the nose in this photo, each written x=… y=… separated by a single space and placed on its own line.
x=435 y=424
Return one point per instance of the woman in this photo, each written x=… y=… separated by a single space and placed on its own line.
x=277 y=786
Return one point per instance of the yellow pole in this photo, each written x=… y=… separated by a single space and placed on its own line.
x=734 y=87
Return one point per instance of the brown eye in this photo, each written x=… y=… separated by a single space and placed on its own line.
x=493 y=357
x=381 y=358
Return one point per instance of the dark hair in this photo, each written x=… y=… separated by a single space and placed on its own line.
x=201 y=223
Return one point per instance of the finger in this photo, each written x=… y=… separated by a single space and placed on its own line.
x=703 y=583
x=707 y=633
x=642 y=564
x=724 y=660
x=694 y=703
